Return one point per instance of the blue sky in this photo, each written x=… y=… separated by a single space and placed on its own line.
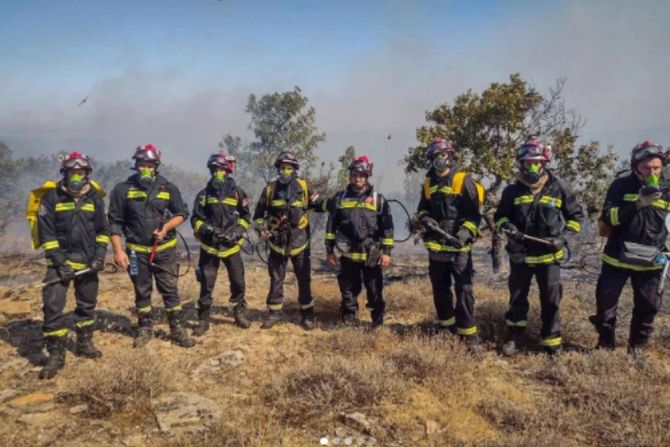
x=177 y=73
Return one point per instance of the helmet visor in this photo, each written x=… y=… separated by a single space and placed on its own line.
x=646 y=152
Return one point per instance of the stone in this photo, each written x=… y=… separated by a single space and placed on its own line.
x=184 y=412
x=78 y=409
x=225 y=360
x=10 y=307
x=432 y=427
x=357 y=421
x=33 y=402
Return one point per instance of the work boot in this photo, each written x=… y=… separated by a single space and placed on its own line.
x=637 y=351
x=144 y=330
x=512 y=345
x=56 y=359
x=606 y=334
x=440 y=329
x=471 y=341
x=85 y=346
x=240 y=315
x=377 y=319
x=349 y=319
x=552 y=351
x=177 y=331
x=307 y=318
x=203 y=323
x=273 y=317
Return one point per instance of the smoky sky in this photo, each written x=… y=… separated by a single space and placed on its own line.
x=613 y=54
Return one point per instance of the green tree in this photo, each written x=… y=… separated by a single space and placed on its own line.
x=345 y=160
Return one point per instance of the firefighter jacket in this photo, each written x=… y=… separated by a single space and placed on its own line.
x=224 y=208
x=136 y=212
x=547 y=214
x=72 y=230
x=645 y=226
x=356 y=221
x=282 y=210
x=454 y=201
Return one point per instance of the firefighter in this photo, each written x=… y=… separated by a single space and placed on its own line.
x=281 y=219
x=220 y=219
x=633 y=219
x=361 y=228
x=73 y=231
x=146 y=209
x=449 y=211
x=540 y=205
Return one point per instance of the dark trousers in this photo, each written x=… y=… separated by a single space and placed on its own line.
x=441 y=272
x=646 y=300
x=352 y=275
x=277 y=269
x=548 y=278
x=209 y=268
x=166 y=283
x=54 y=298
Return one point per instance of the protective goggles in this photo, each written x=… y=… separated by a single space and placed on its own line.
x=532 y=152
x=645 y=152
x=76 y=163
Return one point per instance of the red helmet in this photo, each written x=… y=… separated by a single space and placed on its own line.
x=148 y=153
x=221 y=160
x=362 y=164
x=644 y=150
x=287 y=158
x=75 y=160
x=440 y=146
x=534 y=150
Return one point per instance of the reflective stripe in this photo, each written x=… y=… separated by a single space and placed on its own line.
x=102 y=239
x=523 y=200
x=630 y=197
x=136 y=194
x=501 y=222
x=443 y=189
x=550 y=201
x=330 y=236
x=388 y=241
x=57 y=333
x=661 y=204
x=573 y=225
x=260 y=221
x=144 y=310
x=243 y=223
x=223 y=253
x=230 y=201
x=521 y=323
x=76 y=265
x=551 y=342
x=65 y=206
x=614 y=215
x=50 y=245
x=202 y=202
x=278 y=202
x=173 y=309
x=466 y=330
x=349 y=204
x=307 y=306
x=88 y=207
x=85 y=323
x=354 y=256
x=298 y=204
x=446 y=323
x=638 y=268
x=198 y=223
x=163 y=195
x=292 y=252
x=471 y=227
x=147 y=249
x=545 y=259
x=434 y=246
x=275 y=306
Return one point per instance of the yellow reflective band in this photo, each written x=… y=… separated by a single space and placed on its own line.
x=88 y=207
x=223 y=253
x=50 y=245
x=198 y=223
x=147 y=249
x=173 y=309
x=638 y=268
x=144 y=310
x=330 y=236
x=466 y=330
x=260 y=221
x=443 y=189
x=65 y=206
x=471 y=227
x=521 y=323
x=202 y=202
x=434 y=246
x=292 y=252
x=630 y=197
x=163 y=195
x=501 y=222
x=278 y=203
x=388 y=241
x=307 y=306
x=298 y=204
x=523 y=200
x=358 y=257
x=614 y=215
x=102 y=239
x=57 y=333
x=136 y=194
x=573 y=225
x=350 y=204
x=76 y=265
x=230 y=201
x=243 y=223
x=554 y=202
x=275 y=306
x=446 y=323
x=551 y=342
x=212 y=200
x=85 y=323
x=545 y=259
x=661 y=204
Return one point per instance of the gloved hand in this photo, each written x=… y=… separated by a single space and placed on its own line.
x=218 y=235
x=97 y=264
x=66 y=273
x=429 y=222
x=512 y=231
x=233 y=235
x=207 y=230
x=556 y=243
x=464 y=236
x=647 y=195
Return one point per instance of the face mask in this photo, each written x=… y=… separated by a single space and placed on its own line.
x=652 y=180
x=532 y=174
x=75 y=183
x=146 y=176
x=218 y=180
x=285 y=175
x=440 y=164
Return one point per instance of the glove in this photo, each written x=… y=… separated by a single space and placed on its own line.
x=207 y=230
x=464 y=236
x=556 y=243
x=429 y=222
x=218 y=235
x=97 y=264
x=66 y=273
x=512 y=231
x=647 y=195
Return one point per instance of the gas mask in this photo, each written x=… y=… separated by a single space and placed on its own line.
x=285 y=175
x=531 y=175
x=440 y=163
x=218 y=179
x=75 y=183
x=146 y=176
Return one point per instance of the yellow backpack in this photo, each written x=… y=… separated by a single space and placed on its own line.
x=457 y=187
x=35 y=198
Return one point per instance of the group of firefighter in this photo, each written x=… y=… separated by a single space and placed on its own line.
x=537 y=212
